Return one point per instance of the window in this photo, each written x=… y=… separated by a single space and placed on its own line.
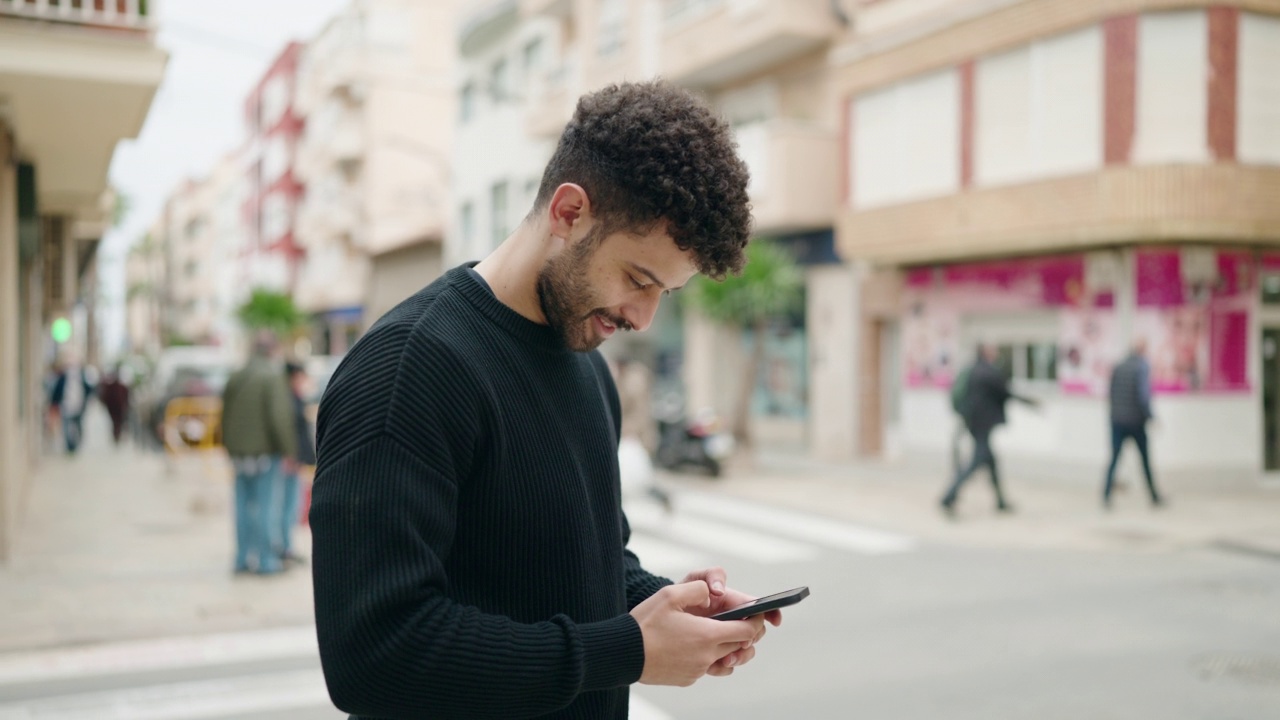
x=467 y=102
x=498 y=213
x=498 y=81
x=1028 y=361
x=532 y=57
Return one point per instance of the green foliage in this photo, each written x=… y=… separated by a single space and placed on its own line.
x=770 y=286
x=271 y=310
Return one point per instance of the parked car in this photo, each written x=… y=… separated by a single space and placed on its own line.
x=195 y=371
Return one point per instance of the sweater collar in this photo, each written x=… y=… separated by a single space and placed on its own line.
x=519 y=326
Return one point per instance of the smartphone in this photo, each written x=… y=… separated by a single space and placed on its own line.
x=764 y=604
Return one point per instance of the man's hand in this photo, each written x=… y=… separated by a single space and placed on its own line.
x=725 y=598
x=679 y=646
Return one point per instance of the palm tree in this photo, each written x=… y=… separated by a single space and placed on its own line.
x=769 y=288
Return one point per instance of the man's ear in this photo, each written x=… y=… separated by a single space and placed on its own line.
x=569 y=208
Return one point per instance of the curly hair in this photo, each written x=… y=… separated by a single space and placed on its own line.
x=650 y=152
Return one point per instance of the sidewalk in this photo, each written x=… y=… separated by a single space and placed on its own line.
x=1049 y=514
x=113 y=546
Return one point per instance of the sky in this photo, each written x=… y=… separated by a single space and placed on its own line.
x=217 y=53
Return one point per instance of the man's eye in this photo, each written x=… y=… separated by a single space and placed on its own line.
x=639 y=285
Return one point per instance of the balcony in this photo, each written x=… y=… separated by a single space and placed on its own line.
x=114 y=14
x=714 y=42
x=77 y=77
x=794 y=172
x=546 y=8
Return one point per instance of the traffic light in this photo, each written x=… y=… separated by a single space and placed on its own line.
x=60 y=330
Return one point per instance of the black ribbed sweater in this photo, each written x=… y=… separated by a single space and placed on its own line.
x=468 y=539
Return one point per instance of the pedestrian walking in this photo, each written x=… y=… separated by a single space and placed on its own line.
x=1130 y=400
x=114 y=395
x=259 y=434
x=72 y=390
x=986 y=394
x=306 y=458
x=469 y=547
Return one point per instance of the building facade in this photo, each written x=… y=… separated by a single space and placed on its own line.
x=74 y=81
x=274 y=123
x=1062 y=179
x=376 y=87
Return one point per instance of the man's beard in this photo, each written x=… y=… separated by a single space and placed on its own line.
x=567 y=300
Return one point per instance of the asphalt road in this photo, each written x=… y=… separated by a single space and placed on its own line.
x=894 y=629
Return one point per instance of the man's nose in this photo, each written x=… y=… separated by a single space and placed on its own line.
x=639 y=313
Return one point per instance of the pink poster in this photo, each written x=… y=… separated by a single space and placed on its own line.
x=1196 y=323
x=1088 y=348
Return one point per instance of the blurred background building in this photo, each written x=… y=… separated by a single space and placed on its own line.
x=1062 y=179
x=74 y=80
x=1057 y=177
x=377 y=90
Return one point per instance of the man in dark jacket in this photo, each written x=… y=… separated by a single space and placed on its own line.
x=1130 y=395
x=983 y=410
x=298 y=381
x=259 y=434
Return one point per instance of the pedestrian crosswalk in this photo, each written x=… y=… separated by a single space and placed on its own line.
x=275 y=673
x=712 y=529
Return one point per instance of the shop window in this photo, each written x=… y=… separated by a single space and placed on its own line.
x=1029 y=361
x=1271 y=290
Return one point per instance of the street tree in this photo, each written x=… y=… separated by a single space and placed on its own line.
x=769 y=288
x=271 y=310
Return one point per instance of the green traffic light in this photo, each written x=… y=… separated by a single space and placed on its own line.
x=61 y=330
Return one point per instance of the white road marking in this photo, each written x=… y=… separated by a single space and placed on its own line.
x=801 y=526
x=664 y=558
x=641 y=709
x=719 y=538
x=159 y=654
x=220 y=698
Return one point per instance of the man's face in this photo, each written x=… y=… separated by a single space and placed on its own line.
x=597 y=286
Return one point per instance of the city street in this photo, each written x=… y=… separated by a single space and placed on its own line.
x=899 y=625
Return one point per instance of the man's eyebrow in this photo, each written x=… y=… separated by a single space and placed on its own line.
x=649 y=274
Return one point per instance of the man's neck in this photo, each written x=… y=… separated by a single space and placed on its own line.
x=512 y=269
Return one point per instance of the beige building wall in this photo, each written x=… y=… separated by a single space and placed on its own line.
x=11 y=473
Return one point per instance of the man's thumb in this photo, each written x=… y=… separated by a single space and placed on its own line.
x=691 y=594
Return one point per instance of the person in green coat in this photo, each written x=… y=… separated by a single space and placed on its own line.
x=258 y=433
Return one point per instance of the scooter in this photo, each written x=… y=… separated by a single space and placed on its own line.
x=697 y=442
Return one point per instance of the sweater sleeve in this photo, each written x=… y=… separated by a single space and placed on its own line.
x=393 y=643
x=641 y=583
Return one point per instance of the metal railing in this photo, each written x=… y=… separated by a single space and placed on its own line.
x=131 y=14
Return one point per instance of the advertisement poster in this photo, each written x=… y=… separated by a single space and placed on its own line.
x=1195 y=319
x=1191 y=306
x=1088 y=349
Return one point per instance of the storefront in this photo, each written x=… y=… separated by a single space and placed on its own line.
x=1062 y=322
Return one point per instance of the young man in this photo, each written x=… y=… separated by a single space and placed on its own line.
x=1130 y=396
x=291 y=494
x=469 y=547
x=986 y=395
x=258 y=433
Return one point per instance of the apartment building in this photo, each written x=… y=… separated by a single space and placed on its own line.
x=201 y=235
x=75 y=79
x=274 y=124
x=377 y=88
x=1062 y=178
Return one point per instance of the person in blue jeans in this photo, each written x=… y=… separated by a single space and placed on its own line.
x=298 y=384
x=1130 y=395
x=259 y=435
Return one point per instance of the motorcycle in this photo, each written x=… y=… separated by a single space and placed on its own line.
x=696 y=442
